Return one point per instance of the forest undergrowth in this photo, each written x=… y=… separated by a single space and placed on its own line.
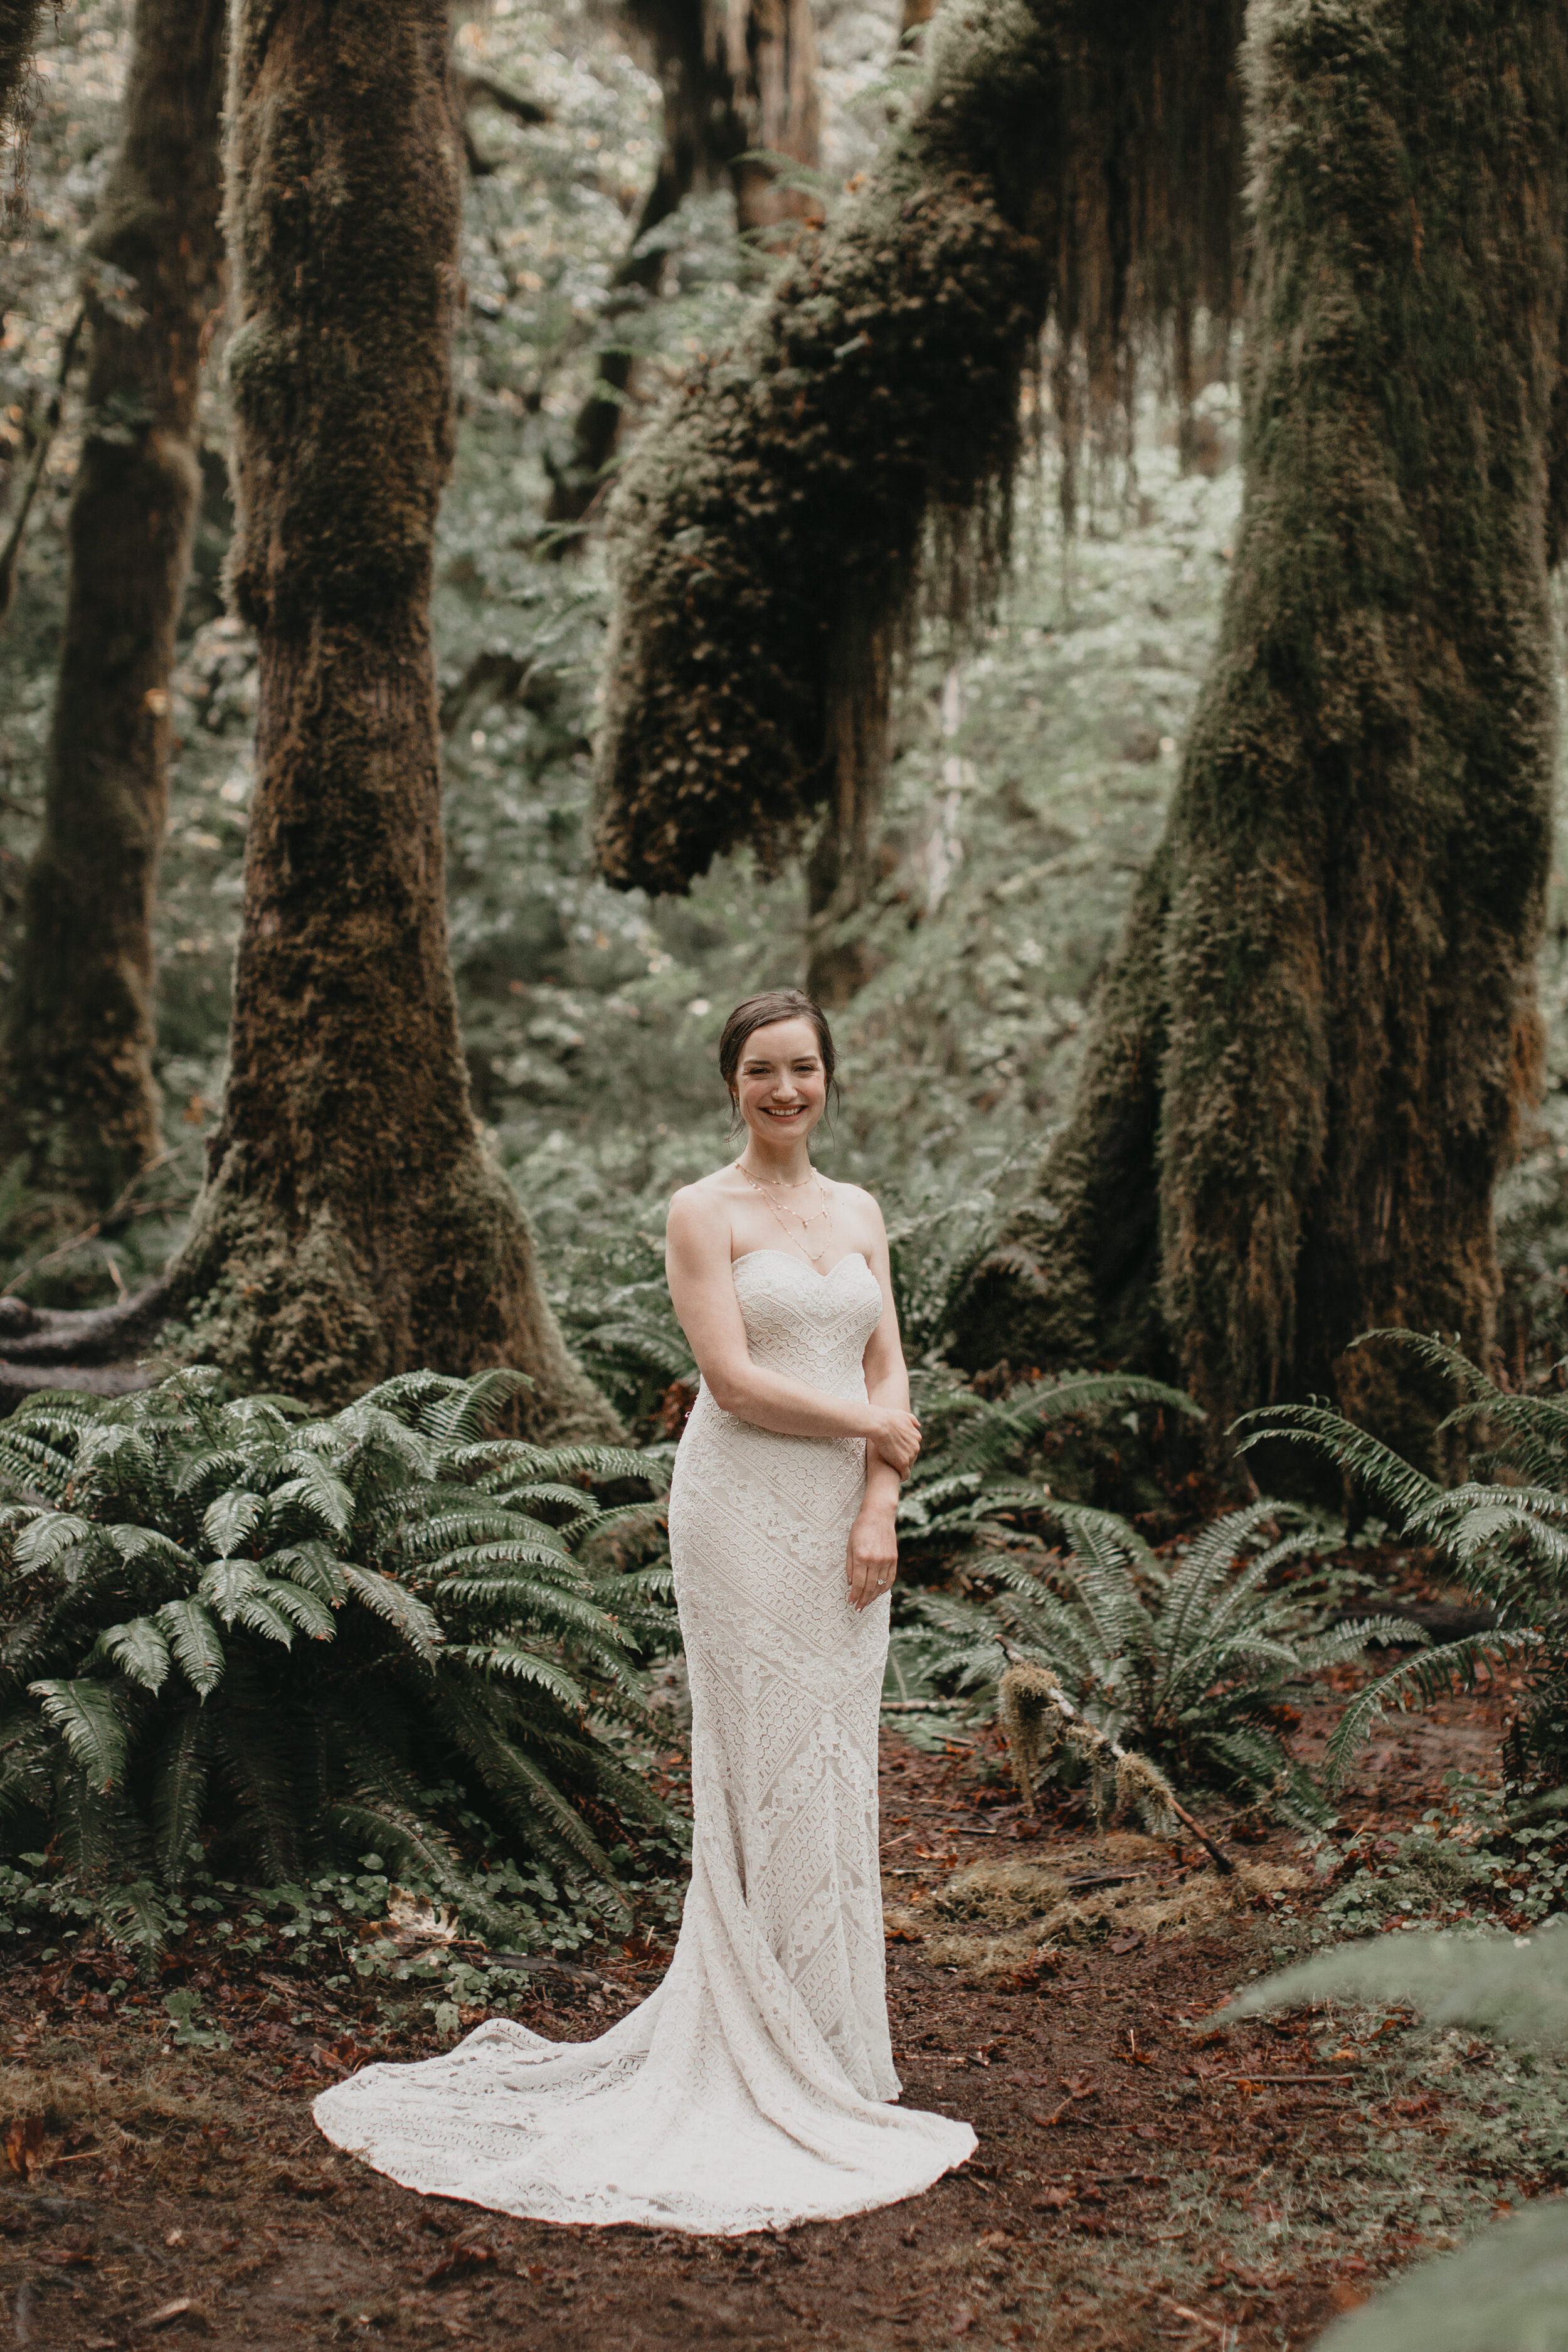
x=1143 y=2179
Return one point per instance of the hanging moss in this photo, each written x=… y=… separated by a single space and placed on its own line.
x=1338 y=954
x=1066 y=162
x=351 y=1225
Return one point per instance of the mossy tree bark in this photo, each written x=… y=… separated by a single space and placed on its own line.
x=77 y=1096
x=352 y=1224
x=1312 y=1054
x=1064 y=162
x=19 y=22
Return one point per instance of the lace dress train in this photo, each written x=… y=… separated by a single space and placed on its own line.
x=752 y=2090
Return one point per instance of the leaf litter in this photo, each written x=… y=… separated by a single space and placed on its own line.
x=1143 y=2179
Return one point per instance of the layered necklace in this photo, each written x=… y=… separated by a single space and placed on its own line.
x=821 y=1216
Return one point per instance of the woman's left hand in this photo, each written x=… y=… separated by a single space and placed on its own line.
x=873 y=1558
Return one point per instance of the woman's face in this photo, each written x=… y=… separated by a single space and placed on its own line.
x=781 y=1086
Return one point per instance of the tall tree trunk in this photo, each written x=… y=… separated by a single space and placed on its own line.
x=1311 y=1055
x=740 y=81
x=351 y=1225
x=77 y=1091
x=768 y=49
x=694 y=148
x=19 y=22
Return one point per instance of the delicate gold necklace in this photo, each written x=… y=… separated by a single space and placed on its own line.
x=779 y=1183
x=824 y=1214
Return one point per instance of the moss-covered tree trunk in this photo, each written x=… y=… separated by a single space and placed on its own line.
x=353 y=1224
x=77 y=1096
x=19 y=22
x=1311 y=1055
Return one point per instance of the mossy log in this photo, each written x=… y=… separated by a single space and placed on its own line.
x=1066 y=162
x=77 y=1097
x=352 y=1224
x=1311 y=1053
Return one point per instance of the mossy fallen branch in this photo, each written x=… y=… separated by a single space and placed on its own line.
x=1037 y=1716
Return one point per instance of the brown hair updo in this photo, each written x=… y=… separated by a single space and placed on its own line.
x=760 y=1013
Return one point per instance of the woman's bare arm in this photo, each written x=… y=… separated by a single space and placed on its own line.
x=873 y=1547
x=702 y=1289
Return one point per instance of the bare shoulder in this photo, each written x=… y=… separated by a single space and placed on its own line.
x=696 y=1206
x=855 y=1197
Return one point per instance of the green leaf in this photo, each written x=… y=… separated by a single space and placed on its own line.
x=85 y=1715
x=50 y=1534
x=525 y=1665
x=179 y=1786
x=1516 y=1987
x=227 y=1583
x=1505 y=2292
x=317 y=1492
x=136 y=1916
x=228 y=1522
x=195 y=1642
x=392 y=1602
x=139 y=1649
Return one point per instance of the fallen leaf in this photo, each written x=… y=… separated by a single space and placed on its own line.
x=962 y=2319
x=167 y=2314
x=457 y=2262
x=289 y=2184
x=25 y=2145
x=1051 y=2200
x=1126 y=1944
x=62 y=2256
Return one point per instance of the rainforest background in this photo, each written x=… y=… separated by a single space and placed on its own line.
x=1039 y=523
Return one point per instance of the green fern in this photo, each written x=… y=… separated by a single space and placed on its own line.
x=1506 y=1534
x=1192 y=1666
x=225 y=1623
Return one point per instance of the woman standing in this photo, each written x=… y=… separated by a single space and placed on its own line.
x=753 y=2089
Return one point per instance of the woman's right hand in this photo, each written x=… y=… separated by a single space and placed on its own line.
x=896 y=1436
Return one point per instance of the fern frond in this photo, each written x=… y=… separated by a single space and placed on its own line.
x=90 y=1724
x=139 y=1648
x=1432 y=1675
x=1374 y=1466
x=194 y=1640
x=179 y=1786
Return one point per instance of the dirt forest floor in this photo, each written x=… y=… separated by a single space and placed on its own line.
x=1138 y=2183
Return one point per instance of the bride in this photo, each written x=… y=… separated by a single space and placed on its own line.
x=754 y=2087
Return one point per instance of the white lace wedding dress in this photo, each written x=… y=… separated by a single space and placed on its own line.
x=752 y=2090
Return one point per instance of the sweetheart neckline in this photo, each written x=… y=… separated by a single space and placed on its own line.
x=788 y=1260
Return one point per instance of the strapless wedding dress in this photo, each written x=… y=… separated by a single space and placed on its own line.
x=752 y=2089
